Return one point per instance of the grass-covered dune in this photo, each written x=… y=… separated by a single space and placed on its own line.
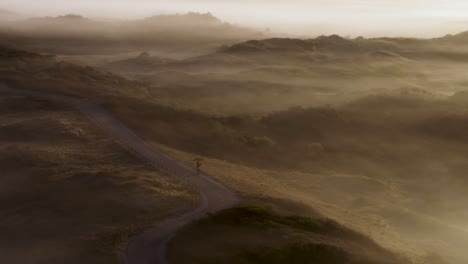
x=260 y=235
x=378 y=163
x=69 y=193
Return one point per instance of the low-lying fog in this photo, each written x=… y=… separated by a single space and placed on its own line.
x=375 y=127
x=410 y=18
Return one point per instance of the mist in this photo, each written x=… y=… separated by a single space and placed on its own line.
x=325 y=132
x=311 y=18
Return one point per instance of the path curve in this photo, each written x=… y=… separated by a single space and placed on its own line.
x=151 y=246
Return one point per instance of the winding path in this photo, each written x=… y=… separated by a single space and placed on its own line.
x=150 y=247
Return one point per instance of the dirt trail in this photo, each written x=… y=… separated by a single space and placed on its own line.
x=150 y=247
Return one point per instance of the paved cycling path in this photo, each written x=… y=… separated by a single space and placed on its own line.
x=150 y=247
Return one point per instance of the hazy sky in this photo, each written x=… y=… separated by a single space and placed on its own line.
x=354 y=17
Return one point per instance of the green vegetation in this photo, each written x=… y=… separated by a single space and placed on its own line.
x=256 y=235
x=298 y=254
x=266 y=218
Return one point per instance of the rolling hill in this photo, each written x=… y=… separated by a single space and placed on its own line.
x=388 y=154
x=62 y=34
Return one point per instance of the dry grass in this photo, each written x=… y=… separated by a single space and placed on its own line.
x=379 y=165
x=69 y=194
x=256 y=234
x=381 y=209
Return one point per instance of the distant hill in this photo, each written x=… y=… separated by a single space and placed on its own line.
x=189 y=19
x=63 y=18
x=38 y=22
x=289 y=51
x=461 y=38
x=333 y=43
x=178 y=22
x=7 y=15
x=27 y=69
x=75 y=34
x=141 y=63
x=70 y=25
x=275 y=57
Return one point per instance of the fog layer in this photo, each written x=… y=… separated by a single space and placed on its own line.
x=368 y=18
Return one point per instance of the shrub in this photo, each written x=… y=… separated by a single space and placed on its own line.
x=315 y=148
x=299 y=253
x=258 y=141
x=252 y=215
x=268 y=218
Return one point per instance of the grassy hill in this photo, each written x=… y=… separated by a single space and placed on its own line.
x=44 y=72
x=324 y=44
x=251 y=77
x=378 y=162
x=68 y=192
x=256 y=234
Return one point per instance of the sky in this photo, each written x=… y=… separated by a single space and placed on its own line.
x=420 y=18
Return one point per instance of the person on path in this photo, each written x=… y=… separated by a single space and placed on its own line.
x=198 y=164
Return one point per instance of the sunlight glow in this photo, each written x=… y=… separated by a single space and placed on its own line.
x=365 y=17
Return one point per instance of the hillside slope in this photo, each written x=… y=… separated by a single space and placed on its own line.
x=258 y=235
x=394 y=159
x=85 y=195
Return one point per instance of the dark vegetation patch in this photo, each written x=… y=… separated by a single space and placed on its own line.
x=9 y=53
x=298 y=254
x=265 y=218
x=297 y=239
